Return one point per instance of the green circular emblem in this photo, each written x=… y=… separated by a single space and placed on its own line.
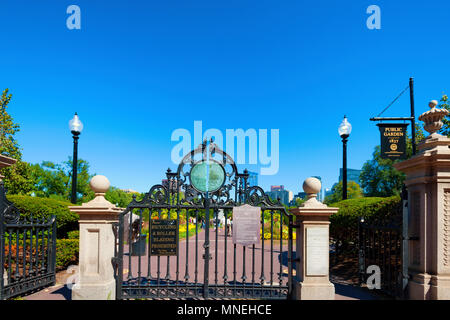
x=207 y=176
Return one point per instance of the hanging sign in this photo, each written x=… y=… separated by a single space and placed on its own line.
x=393 y=140
x=246 y=225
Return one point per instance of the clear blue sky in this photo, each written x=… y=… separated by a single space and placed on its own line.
x=137 y=70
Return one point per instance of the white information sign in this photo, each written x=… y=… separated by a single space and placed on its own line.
x=246 y=225
x=317 y=251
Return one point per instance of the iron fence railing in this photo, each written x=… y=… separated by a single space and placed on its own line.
x=27 y=250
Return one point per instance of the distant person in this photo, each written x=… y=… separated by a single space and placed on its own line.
x=229 y=223
x=222 y=222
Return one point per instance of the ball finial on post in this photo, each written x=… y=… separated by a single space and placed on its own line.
x=99 y=184
x=312 y=187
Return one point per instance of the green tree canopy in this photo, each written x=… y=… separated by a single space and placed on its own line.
x=121 y=198
x=55 y=180
x=17 y=177
x=379 y=178
x=444 y=105
x=353 y=192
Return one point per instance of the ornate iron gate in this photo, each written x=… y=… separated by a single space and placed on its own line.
x=206 y=263
x=27 y=250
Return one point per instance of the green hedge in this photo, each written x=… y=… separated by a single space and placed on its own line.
x=344 y=224
x=66 y=253
x=43 y=207
x=75 y=234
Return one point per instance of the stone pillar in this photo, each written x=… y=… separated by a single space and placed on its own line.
x=428 y=183
x=5 y=162
x=96 y=272
x=312 y=280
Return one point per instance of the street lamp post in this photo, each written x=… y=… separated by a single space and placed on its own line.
x=76 y=126
x=345 y=128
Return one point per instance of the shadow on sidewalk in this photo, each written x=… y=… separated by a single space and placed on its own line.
x=64 y=291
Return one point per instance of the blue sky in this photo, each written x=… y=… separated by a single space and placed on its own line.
x=138 y=70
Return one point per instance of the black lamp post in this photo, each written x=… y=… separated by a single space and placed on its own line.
x=345 y=128
x=76 y=126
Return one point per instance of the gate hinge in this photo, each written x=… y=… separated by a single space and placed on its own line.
x=294 y=225
x=209 y=256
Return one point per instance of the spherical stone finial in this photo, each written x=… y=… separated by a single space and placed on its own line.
x=99 y=184
x=312 y=186
x=433 y=103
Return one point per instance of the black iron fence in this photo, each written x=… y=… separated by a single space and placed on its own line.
x=27 y=250
x=369 y=246
x=380 y=251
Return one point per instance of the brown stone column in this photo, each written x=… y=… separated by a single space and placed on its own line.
x=428 y=183
x=312 y=280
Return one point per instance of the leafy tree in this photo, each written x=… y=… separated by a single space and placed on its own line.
x=17 y=177
x=379 y=178
x=353 y=192
x=55 y=180
x=120 y=198
x=444 y=104
x=299 y=202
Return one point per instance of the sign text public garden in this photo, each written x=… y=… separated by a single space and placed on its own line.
x=393 y=140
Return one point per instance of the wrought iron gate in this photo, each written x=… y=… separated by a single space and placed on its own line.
x=27 y=250
x=206 y=264
x=383 y=243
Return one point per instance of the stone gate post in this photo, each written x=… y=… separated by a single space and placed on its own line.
x=96 y=272
x=428 y=183
x=312 y=280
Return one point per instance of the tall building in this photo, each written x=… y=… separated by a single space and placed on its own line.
x=252 y=179
x=352 y=175
x=321 y=194
x=276 y=192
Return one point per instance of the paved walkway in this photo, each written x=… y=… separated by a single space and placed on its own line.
x=262 y=260
x=62 y=292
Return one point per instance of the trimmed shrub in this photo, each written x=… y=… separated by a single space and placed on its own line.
x=66 y=253
x=75 y=234
x=43 y=207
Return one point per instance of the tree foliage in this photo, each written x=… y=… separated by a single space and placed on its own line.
x=53 y=180
x=17 y=177
x=444 y=104
x=353 y=192
x=120 y=198
x=379 y=178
